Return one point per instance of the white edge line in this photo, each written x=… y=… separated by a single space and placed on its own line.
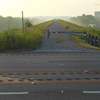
x=91 y=92
x=13 y=93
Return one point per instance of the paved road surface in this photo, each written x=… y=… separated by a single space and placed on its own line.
x=50 y=62
x=50 y=92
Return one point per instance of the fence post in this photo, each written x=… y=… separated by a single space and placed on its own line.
x=96 y=41
x=87 y=38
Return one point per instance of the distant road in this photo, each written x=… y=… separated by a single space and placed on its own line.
x=58 y=38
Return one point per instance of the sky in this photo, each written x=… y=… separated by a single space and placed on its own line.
x=48 y=7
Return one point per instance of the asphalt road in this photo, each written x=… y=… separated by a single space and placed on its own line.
x=50 y=92
x=50 y=62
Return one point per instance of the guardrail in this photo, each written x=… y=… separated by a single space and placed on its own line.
x=91 y=39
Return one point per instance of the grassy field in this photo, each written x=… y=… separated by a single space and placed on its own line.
x=15 y=39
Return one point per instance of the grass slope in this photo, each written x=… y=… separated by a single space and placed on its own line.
x=70 y=26
x=76 y=38
x=82 y=43
x=76 y=28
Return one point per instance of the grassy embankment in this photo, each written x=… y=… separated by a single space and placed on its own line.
x=82 y=43
x=76 y=38
x=15 y=39
x=69 y=27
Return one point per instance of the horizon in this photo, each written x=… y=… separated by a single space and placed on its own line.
x=45 y=16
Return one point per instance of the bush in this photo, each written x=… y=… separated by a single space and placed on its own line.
x=28 y=23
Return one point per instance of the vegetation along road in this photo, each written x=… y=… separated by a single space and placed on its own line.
x=53 y=64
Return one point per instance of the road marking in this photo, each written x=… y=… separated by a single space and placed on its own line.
x=13 y=93
x=61 y=64
x=62 y=91
x=91 y=92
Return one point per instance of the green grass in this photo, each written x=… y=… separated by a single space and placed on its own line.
x=16 y=39
x=82 y=43
x=70 y=26
x=60 y=39
x=76 y=28
x=93 y=32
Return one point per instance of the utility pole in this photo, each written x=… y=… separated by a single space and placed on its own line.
x=23 y=28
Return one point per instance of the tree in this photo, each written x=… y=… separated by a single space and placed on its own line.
x=28 y=23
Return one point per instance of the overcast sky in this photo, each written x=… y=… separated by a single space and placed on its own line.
x=48 y=7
